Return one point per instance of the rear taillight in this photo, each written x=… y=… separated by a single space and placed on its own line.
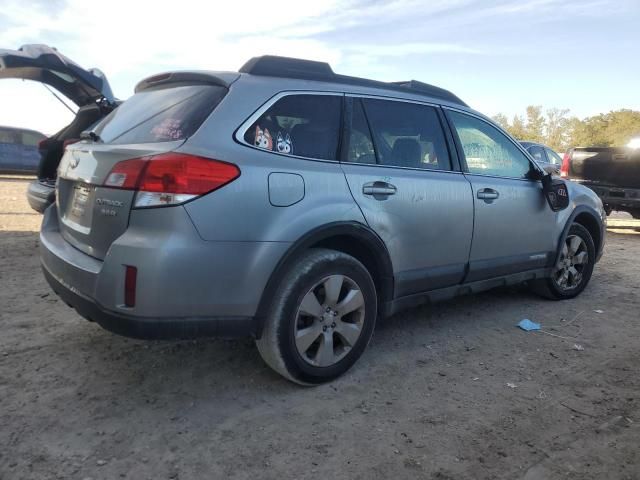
x=564 y=169
x=170 y=178
x=42 y=144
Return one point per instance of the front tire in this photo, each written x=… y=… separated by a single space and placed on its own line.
x=320 y=319
x=574 y=267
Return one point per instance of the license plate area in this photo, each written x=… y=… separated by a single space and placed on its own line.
x=79 y=212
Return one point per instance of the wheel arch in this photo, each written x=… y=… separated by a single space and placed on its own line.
x=352 y=238
x=589 y=219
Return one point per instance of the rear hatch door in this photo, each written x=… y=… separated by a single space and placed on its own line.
x=92 y=216
x=44 y=64
x=152 y=122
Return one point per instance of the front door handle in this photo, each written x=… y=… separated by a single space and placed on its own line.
x=379 y=189
x=488 y=194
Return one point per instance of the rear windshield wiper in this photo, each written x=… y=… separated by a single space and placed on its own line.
x=91 y=136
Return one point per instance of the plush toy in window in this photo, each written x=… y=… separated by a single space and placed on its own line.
x=283 y=144
x=263 y=138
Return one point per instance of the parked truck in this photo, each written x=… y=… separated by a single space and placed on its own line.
x=613 y=173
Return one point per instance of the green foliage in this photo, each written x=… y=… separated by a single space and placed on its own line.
x=536 y=124
x=560 y=131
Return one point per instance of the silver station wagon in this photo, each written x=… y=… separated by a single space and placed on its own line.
x=298 y=206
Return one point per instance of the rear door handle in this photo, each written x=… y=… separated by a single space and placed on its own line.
x=488 y=194
x=379 y=188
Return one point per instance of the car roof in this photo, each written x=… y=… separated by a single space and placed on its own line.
x=293 y=73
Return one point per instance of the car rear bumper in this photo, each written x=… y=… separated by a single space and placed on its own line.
x=40 y=195
x=617 y=197
x=150 y=328
x=186 y=287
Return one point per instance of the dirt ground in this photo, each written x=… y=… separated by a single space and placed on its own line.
x=452 y=391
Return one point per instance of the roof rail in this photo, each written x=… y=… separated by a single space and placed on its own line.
x=286 y=67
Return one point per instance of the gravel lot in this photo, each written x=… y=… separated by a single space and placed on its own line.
x=452 y=391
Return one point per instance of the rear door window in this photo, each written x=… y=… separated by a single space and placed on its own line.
x=537 y=153
x=10 y=136
x=301 y=125
x=553 y=157
x=160 y=115
x=407 y=134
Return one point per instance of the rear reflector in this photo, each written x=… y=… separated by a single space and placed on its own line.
x=130 y=278
x=170 y=178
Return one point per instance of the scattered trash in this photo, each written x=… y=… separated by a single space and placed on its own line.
x=512 y=385
x=101 y=463
x=527 y=325
x=599 y=311
x=554 y=335
x=542 y=395
x=475 y=378
x=578 y=347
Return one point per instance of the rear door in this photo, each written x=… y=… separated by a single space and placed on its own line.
x=30 y=153
x=514 y=228
x=399 y=170
x=10 y=150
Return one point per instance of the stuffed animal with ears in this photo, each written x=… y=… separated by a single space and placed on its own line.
x=283 y=144
x=263 y=138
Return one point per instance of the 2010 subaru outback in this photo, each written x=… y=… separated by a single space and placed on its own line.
x=298 y=206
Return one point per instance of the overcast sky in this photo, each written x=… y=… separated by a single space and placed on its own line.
x=497 y=56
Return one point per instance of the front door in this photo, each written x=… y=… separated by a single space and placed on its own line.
x=514 y=228
x=399 y=171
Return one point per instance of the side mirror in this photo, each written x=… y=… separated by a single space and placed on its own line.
x=556 y=192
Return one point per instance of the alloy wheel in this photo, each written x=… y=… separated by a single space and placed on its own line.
x=573 y=260
x=329 y=320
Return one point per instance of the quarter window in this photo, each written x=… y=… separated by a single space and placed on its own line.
x=407 y=134
x=488 y=151
x=31 y=139
x=301 y=125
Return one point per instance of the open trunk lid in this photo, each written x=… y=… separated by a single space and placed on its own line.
x=44 y=64
x=612 y=166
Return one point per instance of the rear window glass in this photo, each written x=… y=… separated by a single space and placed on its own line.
x=162 y=115
x=301 y=125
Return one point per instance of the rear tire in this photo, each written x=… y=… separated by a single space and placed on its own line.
x=572 y=272
x=635 y=213
x=321 y=318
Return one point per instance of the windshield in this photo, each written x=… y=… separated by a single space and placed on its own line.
x=161 y=115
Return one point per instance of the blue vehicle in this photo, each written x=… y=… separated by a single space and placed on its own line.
x=19 y=150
